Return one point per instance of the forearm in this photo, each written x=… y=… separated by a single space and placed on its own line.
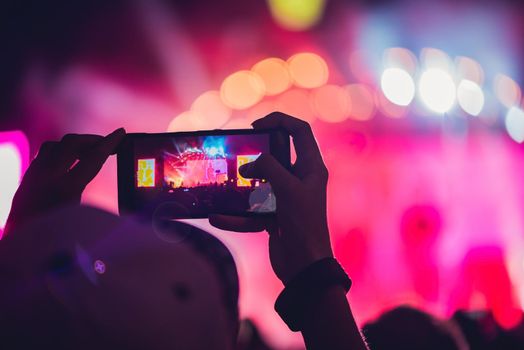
x=329 y=323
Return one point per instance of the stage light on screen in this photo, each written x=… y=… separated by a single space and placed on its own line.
x=398 y=86
x=515 y=124
x=331 y=103
x=241 y=160
x=275 y=74
x=242 y=89
x=145 y=174
x=297 y=15
x=470 y=97
x=308 y=70
x=437 y=90
x=507 y=90
x=14 y=158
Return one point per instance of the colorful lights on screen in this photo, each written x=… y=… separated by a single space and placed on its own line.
x=241 y=160
x=145 y=175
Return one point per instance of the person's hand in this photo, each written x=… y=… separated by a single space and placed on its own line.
x=298 y=235
x=60 y=173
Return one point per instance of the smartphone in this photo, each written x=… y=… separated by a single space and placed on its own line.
x=194 y=174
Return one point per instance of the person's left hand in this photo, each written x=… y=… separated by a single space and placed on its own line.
x=60 y=173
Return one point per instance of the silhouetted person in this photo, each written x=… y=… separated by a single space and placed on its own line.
x=407 y=328
x=313 y=301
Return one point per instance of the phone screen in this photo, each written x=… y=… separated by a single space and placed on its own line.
x=198 y=173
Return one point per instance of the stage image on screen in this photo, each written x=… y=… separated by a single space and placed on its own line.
x=145 y=176
x=201 y=173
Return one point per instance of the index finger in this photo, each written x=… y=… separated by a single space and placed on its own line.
x=303 y=138
x=91 y=162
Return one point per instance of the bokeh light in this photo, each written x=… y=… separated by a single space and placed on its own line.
x=296 y=102
x=14 y=158
x=242 y=89
x=297 y=15
x=515 y=124
x=362 y=101
x=437 y=90
x=331 y=103
x=259 y=110
x=308 y=70
x=275 y=74
x=11 y=173
x=388 y=108
x=211 y=110
x=470 y=97
x=399 y=57
x=185 y=121
x=507 y=90
x=398 y=86
x=468 y=69
x=435 y=58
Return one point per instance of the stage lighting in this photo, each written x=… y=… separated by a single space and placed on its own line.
x=515 y=124
x=297 y=15
x=398 y=86
x=210 y=108
x=470 y=97
x=308 y=70
x=331 y=103
x=242 y=89
x=437 y=90
x=275 y=74
x=362 y=101
x=507 y=90
x=14 y=157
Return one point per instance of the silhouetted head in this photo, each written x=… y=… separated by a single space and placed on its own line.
x=84 y=278
x=409 y=329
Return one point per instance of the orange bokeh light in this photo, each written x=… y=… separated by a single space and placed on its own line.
x=308 y=70
x=210 y=110
x=260 y=110
x=331 y=103
x=297 y=103
x=362 y=101
x=242 y=89
x=275 y=74
x=185 y=121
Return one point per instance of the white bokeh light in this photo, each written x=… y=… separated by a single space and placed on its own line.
x=437 y=90
x=470 y=97
x=398 y=86
x=515 y=124
x=11 y=172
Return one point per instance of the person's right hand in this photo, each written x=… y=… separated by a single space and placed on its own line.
x=299 y=233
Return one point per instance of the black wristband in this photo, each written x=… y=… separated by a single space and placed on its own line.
x=306 y=287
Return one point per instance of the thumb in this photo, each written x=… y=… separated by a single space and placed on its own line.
x=267 y=167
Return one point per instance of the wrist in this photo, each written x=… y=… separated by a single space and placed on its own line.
x=304 y=290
